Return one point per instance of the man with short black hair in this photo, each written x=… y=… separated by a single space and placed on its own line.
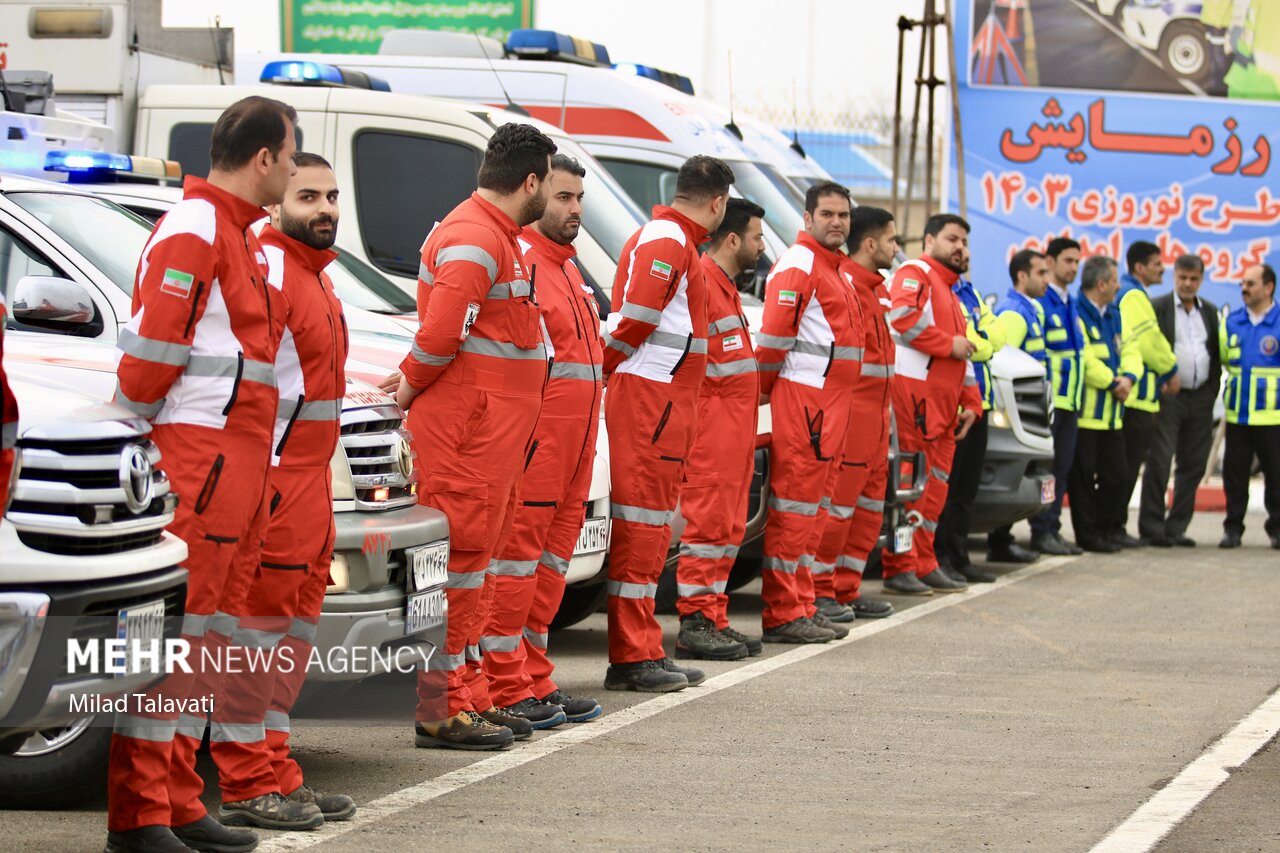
x=1159 y=374
x=656 y=356
x=935 y=393
x=810 y=352
x=1063 y=347
x=1249 y=344
x=197 y=359
x=855 y=508
x=473 y=388
x=717 y=477
x=1184 y=425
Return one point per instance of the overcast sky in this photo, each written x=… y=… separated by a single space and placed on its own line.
x=836 y=55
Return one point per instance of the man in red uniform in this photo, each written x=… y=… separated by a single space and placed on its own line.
x=528 y=572
x=473 y=388
x=856 y=509
x=288 y=592
x=810 y=355
x=932 y=382
x=197 y=358
x=717 y=478
x=655 y=355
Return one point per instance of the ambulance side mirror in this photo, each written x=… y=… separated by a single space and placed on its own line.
x=52 y=303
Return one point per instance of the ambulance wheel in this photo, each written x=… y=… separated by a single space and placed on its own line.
x=578 y=603
x=57 y=768
x=1184 y=51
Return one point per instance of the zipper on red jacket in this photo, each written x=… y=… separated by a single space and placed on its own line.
x=253 y=279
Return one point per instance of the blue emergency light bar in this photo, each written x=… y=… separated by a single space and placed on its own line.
x=294 y=72
x=98 y=166
x=666 y=78
x=548 y=44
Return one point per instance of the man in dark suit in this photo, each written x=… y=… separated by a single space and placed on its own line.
x=1184 y=425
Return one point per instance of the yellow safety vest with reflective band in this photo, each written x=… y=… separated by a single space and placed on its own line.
x=1142 y=330
x=1104 y=360
x=1251 y=358
x=1062 y=346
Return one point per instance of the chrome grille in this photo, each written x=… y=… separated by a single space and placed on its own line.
x=377 y=446
x=71 y=496
x=1032 y=398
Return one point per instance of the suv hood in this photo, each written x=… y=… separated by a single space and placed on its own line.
x=62 y=385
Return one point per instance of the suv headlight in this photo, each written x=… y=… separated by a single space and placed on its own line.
x=344 y=488
x=999 y=419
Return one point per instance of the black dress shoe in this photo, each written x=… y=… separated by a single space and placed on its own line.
x=1014 y=553
x=1183 y=541
x=209 y=836
x=955 y=574
x=973 y=574
x=1159 y=541
x=1230 y=539
x=1051 y=544
x=1124 y=540
x=145 y=839
x=1099 y=546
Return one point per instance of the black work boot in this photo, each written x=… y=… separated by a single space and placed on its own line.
x=939 y=582
x=798 y=631
x=271 y=811
x=541 y=715
x=332 y=806
x=521 y=728
x=691 y=674
x=753 y=644
x=834 y=610
x=646 y=676
x=822 y=621
x=576 y=710
x=699 y=639
x=871 y=608
x=209 y=836
x=465 y=730
x=906 y=584
x=145 y=839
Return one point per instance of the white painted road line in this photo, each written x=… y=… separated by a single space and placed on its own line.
x=1157 y=817
x=418 y=795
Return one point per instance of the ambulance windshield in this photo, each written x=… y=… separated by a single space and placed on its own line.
x=108 y=236
x=608 y=213
x=761 y=184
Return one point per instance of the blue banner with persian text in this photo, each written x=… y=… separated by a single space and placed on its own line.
x=1073 y=126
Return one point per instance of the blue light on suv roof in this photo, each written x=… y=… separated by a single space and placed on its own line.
x=548 y=44
x=667 y=78
x=86 y=161
x=306 y=73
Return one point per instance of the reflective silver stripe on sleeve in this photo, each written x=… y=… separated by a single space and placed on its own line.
x=508 y=289
x=312 y=410
x=775 y=341
x=576 y=370
x=640 y=313
x=725 y=324
x=915 y=331
x=474 y=254
x=869 y=504
x=465 y=580
x=775 y=564
x=939 y=474
x=237 y=732
x=707 y=552
x=429 y=359
x=732 y=368
x=878 y=371
x=277 y=721
x=674 y=341
x=146 y=410
x=824 y=350
x=513 y=568
x=225 y=366
x=502 y=349
x=149 y=349
x=144 y=728
x=689 y=590
x=638 y=591
x=640 y=515
x=558 y=564
x=536 y=639
x=491 y=643
x=900 y=312
x=425 y=275
x=621 y=346
x=770 y=367
x=797 y=507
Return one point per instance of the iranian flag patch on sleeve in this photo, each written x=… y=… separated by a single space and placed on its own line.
x=176 y=283
x=661 y=270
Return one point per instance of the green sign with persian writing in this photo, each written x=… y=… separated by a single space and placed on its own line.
x=357 y=26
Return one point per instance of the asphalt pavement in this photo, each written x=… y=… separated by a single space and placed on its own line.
x=1035 y=714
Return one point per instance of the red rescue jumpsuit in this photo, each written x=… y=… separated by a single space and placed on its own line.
x=528 y=571
x=856 y=508
x=929 y=387
x=288 y=592
x=810 y=356
x=479 y=358
x=197 y=358
x=656 y=358
x=717 y=479
x=8 y=420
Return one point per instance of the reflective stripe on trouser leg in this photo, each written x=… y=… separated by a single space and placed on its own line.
x=938 y=454
x=142 y=754
x=863 y=533
x=799 y=481
x=909 y=441
x=651 y=429
x=549 y=588
x=811 y=571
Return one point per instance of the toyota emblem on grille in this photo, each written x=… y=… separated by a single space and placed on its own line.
x=405 y=460
x=135 y=479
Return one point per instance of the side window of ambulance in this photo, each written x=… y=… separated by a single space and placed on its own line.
x=648 y=185
x=404 y=185
x=189 y=145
